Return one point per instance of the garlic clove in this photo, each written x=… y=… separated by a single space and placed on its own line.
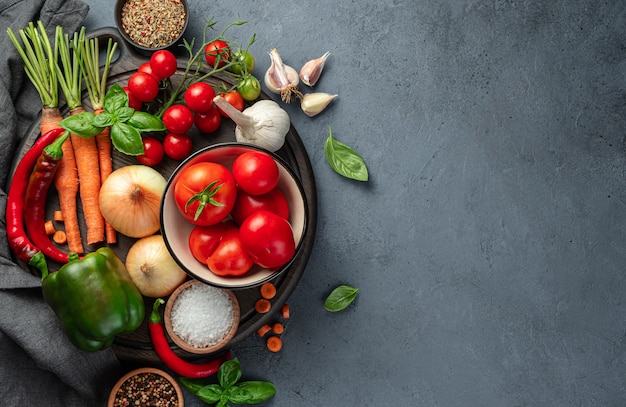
x=282 y=79
x=314 y=103
x=312 y=70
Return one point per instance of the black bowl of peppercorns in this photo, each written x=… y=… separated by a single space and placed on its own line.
x=151 y=25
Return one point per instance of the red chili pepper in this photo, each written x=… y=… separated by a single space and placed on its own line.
x=19 y=242
x=39 y=183
x=173 y=361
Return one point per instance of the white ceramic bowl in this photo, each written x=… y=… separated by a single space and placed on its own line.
x=176 y=229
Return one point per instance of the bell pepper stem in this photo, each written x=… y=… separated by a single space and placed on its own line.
x=155 y=316
x=39 y=262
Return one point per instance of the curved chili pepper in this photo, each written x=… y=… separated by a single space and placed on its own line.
x=39 y=183
x=173 y=361
x=19 y=242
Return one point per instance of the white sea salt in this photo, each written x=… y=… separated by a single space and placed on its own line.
x=202 y=315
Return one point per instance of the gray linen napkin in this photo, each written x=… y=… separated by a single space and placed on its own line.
x=38 y=365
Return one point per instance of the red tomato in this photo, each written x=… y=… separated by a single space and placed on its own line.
x=255 y=172
x=143 y=86
x=215 y=48
x=246 y=204
x=205 y=193
x=177 y=146
x=177 y=119
x=204 y=239
x=132 y=100
x=234 y=98
x=268 y=239
x=163 y=63
x=147 y=68
x=229 y=257
x=208 y=122
x=199 y=96
x=153 y=152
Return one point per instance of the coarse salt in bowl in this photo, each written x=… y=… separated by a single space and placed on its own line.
x=200 y=318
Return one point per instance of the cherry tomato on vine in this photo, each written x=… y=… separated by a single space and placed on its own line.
x=199 y=97
x=153 y=152
x=246 y=204
x=147 y=68
x=205 y=193
x=245 y=62
x=132 y=100
x=249 y=88
x=163 y=63
x=234 y=98
x=208 y=122
x=178 y=119
x=177 y=146
x=143 y=86
x=215 y=48
x=268 y=239
x=255 y=172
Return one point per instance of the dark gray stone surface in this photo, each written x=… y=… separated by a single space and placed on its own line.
x=489 y=244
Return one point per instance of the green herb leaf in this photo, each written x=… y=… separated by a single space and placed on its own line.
x=123 y=114
x=126 y=139
x=81 y=124
x=192 y=385
x=143 y=121
x=103 y=120
x=210 y=393
x=229 y=373
x=340 y=298
x=252 y=392
x=344 y=160
x=115 y=98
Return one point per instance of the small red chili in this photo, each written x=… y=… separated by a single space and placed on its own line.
x=173 y=361
x=19 y=242
x=39 y=183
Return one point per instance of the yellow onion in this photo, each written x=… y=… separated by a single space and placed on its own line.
x=130 y=200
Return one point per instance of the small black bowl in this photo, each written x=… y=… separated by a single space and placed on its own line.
x=175 y=37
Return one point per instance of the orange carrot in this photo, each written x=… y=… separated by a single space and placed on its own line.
x=59 y=237
x=274 y=343
x=50 y=118
x=278 y=328
x=262 y=306
x=49 y=227
x=284 y=311
x=263 y=330
x=103 y=142
x=268 y=290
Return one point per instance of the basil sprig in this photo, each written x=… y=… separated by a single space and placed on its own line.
x=344 y=160
x=229 y=389
x=126 y=124
x=340 y=298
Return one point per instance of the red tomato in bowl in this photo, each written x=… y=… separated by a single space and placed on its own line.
x=205 y=193
x=246 y=204
x=268 y=239
x=256 y=172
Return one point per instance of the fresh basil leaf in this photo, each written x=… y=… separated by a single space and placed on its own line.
x=81 y=124
x=252 y=392
x=126 y=139
x=124 y=113
x=104 y=119
x=229 y=373
x=115 y=98
x=344 y=160
x=210 y=393
x=143 y=121
x=193 y=385
x=340 y=298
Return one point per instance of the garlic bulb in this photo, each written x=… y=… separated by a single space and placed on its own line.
x=130 y=200
x=314 y=103
x=264 y=124
x=282 y=79
x=312 y=70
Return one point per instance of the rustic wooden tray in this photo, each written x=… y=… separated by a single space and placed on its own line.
x=136 y=347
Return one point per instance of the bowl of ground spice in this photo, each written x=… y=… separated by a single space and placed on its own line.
x=201 y=318
x=146 y=387
x=151 y=25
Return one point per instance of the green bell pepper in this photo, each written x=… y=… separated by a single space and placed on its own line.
x=94 y=298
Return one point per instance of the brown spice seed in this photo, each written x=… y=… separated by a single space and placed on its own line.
x=146 y=389
x=143 y=21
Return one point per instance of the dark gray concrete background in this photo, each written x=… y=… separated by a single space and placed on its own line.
x=489 y=245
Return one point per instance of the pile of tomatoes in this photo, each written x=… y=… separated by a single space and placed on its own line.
x=196 y=107
x=240 y=216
